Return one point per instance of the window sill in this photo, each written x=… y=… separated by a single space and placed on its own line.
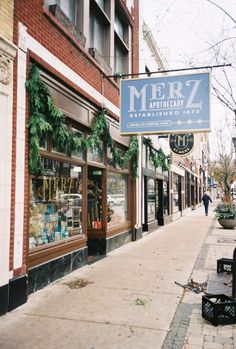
x=77 y=44
x=98 y=57
x=111 y=231
x=44 y=253
x=69 y=26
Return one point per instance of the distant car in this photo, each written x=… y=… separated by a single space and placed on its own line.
x=110 y=200
x=120 y=200
x=73 y=199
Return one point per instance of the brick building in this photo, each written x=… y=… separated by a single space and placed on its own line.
x=81 y=203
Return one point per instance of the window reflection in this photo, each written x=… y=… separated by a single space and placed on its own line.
x=96 y=154
x=176 y=193
x=151 y=203
x=55 y=203
x=94 y=198
x=117 y=204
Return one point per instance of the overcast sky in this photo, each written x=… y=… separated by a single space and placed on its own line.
x=187 y=32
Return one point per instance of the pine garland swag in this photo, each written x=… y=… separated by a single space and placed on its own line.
x=48 y=120
x=159 y=159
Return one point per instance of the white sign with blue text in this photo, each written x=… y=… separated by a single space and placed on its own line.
x=166 y=104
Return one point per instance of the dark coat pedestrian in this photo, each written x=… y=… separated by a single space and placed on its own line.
x=206 y=199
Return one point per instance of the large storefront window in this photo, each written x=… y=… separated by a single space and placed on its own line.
x=187 y=189
x=55 y=203
x=151 y=202
x=117 y=200
x=176 y=198
x=165 y=198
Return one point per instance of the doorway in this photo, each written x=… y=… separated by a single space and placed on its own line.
x=95 y=211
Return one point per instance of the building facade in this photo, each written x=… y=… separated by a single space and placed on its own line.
x=68 y=202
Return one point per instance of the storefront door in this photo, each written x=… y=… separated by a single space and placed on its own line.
x=95 y=209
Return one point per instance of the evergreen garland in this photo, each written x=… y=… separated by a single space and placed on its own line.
x=159 y=159
x=48 y=120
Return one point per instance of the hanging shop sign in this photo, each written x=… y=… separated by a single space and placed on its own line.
x=181 y=144
x=166 y=104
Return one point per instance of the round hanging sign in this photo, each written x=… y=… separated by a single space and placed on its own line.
x=182 y=144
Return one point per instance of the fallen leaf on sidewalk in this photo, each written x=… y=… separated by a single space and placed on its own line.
x=140 y=301
x=78 y=283
x=193 y=286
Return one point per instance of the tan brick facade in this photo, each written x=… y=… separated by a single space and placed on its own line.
x=6 y=19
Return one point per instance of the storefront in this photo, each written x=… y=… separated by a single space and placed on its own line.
x=81 y=203
x=155 y=184
x=187 y=190
x=177 y=191
x=163 y=213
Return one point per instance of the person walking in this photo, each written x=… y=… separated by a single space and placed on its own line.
x=206 y=199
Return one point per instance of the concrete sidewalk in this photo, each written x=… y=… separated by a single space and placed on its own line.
x=130 y=299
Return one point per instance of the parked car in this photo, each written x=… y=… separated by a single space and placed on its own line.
x=111 y=201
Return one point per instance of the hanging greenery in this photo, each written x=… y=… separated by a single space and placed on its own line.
x=48 y=120
x=158 y=158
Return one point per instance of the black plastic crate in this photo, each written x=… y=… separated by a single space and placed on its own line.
x=219 y=309
x=224 y=264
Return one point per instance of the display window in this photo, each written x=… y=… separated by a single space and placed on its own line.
x=96 y=154
x=78 y=134
x=176 y=198
x=165 y=198
x=121 y=152
x=151 y=200
x=187 y=189
x=55 y=203
x=117 y=199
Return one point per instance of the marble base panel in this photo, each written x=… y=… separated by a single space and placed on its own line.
x=118 y=240
x=102 y=246
x=150 y=226
x=164 y=220
x=4 y=296
x=42 y=275
x=138 y=233
x=18 y=291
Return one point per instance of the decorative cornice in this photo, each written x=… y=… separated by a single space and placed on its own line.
x=7 y=48
x=7 y=53
x=5 y=63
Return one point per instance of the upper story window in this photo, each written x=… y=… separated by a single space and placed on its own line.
x=119 y=27
x=101 y=3
x=121 y=43
x=70 y=14
x=99 y=25
x=70 y=9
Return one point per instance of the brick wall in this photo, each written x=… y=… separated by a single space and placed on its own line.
x=44 y=28
x=6 y=19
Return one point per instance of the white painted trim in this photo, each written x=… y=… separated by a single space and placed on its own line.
x=8 y=50
x=20 y=160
